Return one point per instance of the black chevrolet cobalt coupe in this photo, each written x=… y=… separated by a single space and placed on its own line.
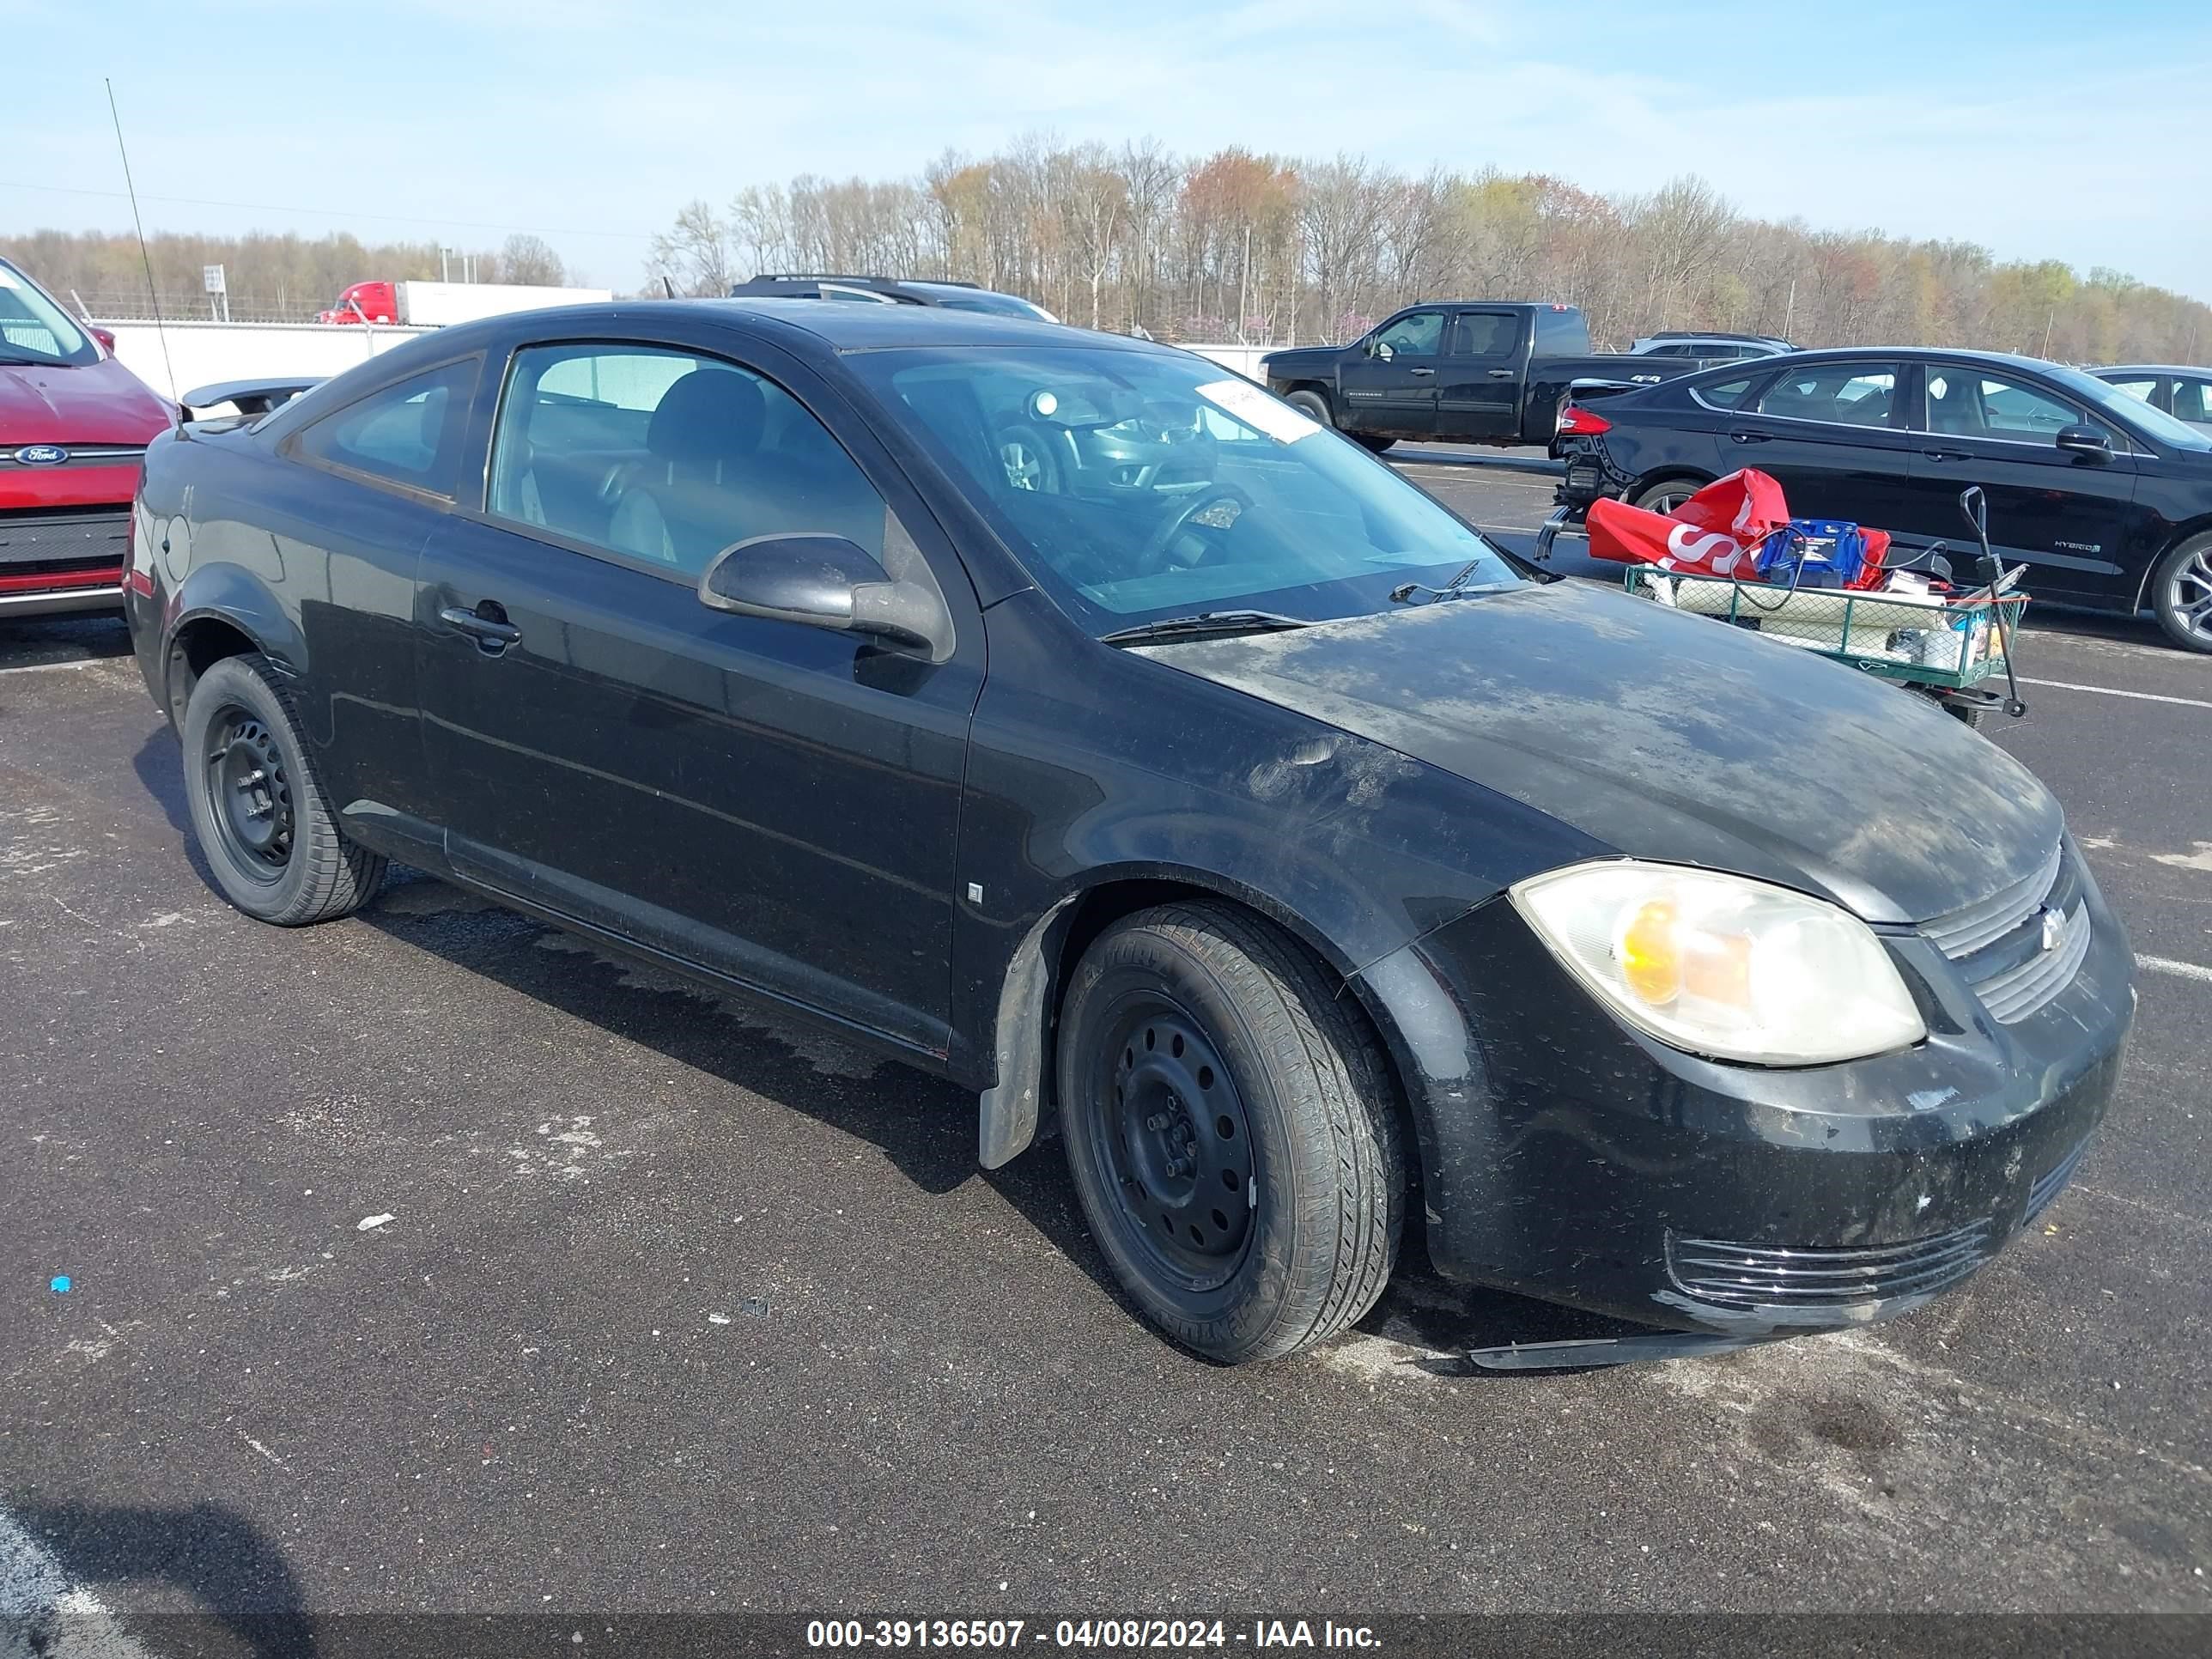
x=1306 y=864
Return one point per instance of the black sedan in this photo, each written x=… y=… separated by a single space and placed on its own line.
x=2107 y=499
x=1302 y=861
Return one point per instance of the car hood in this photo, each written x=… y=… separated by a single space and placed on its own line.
x=101 y=402
x=1670 y=737
x=1304 y=360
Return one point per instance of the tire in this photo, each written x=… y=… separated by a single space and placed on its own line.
x=1372 y=443
x=261 y=818
x=1312 y=405
x=1972 y=717
x=1232 y=1130
x=1667 y=494
x=2181 y=593
x=1029 y=461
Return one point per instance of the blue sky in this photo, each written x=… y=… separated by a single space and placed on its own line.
x=2068 y=131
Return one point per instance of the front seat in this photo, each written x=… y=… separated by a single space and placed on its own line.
x=698 y=491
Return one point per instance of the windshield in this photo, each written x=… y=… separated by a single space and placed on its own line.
x=34 y=329
x=2153 y=422
x=1140 y=485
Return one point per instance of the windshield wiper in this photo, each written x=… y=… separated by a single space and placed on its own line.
x=1456 y=588
x=1202 y=623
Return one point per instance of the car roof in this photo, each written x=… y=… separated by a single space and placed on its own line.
x=1892 y=354
x=2111 y=369
x=839 y=325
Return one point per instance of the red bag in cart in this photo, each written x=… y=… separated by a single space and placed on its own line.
x=1717 y=533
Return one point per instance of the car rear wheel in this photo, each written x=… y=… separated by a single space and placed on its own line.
x=1312 y=405
x=2181 y=590
x=1231 y=1130
x=262 y=821
x=1667 y=494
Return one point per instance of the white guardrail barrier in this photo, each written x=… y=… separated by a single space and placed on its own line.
x=201 y=354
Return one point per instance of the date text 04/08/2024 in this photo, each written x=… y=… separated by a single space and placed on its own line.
x=1086 y=1634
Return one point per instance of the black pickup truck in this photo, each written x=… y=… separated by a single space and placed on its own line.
x=1457 y=371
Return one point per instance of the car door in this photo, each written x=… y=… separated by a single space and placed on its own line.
x=338 y=523
x=1479 y=377
x=1389 y=380
x=1831 y=432
x=2063 y=514
x=775 y=802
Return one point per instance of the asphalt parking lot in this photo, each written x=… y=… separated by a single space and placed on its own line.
x=428 y=1261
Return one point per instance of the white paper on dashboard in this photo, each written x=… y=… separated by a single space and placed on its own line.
x=1258 y=410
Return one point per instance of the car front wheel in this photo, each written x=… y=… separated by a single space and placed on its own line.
x=268 y=833
x=1231 y=1127
x=2181 y=590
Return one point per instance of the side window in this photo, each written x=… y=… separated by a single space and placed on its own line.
x=2138 y=389
x=1967 y=403
x=1843 y=394
x=667 y=457
x=2192 y=402
x=1484 y=333
x=408 y=433
x=1725 y=394
x=1417 y=334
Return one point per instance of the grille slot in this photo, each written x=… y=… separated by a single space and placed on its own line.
x=103 y=536
x=1730 y=1274
x=2014 y=994
x=1998 y=942
x=1967 y=931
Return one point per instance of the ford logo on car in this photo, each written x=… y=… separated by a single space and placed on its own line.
x=41 y=455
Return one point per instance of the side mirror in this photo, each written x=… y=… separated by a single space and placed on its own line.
x=1380 y=348
x=106 y=340
x=2085 y=441
x=820 y=580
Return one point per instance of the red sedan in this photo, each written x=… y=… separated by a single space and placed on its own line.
x=74 y=427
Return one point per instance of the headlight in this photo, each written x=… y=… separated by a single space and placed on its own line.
x=1723 y=965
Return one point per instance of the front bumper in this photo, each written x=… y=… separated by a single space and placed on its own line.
x=1568 y=1158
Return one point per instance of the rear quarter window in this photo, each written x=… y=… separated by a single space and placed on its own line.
x=1726 y=395
x=407 y=433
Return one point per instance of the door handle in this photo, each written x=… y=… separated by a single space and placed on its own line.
x=1944 y=455
x=493 y=635
x=1501 y=373
x=1747 y=437
x=1420 y=370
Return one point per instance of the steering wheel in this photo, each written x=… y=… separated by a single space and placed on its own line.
x=1154 y=554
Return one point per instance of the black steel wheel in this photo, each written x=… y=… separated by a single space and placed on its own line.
x=249 y=793
x=270 y=839
x=1178 y=1147
x=1233 y=1132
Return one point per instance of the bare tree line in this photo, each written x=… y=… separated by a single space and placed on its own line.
x=1274 y=250
x=276 y=278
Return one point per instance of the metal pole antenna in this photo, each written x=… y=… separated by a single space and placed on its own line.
x=152 y=294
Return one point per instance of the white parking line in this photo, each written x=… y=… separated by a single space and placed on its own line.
x=2114 y=691
x=2178 y=969
x=41 y=667
x=38 y=1601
